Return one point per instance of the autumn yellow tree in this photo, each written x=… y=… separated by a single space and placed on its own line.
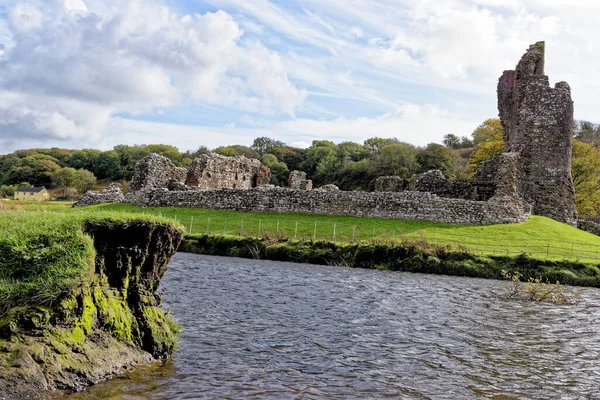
x=585 y=170
x=489 y=142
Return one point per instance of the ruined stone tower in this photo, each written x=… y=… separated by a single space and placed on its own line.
x=538 y=127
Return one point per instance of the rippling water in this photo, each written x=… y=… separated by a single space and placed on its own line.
x=261 y=329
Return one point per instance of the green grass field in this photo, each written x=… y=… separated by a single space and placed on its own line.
x=539 y=237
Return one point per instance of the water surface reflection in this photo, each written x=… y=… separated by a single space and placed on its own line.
x=260 y=329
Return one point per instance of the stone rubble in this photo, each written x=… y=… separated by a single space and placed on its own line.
x=112 y=193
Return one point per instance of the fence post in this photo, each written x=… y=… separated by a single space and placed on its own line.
x=191 y=225
x=334 y=226
x=259 y=226
x=242 y=228
x=207 y=225
x=224 y=223
x=296 y=231
x=354 y=233
x=315 y=232
x=277 y=227
x=571 y=251
x=175 y=217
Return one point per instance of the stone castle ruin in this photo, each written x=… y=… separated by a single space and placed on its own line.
x=533 y=173
x=535 y=166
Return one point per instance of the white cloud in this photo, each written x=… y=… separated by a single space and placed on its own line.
x=67 y=67
x=300 y=145
x=426 y=67
x=411 y=123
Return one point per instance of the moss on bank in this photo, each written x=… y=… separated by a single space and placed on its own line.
x=410 y=256
x=78 y=298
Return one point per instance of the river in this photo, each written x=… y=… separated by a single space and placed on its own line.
x=262 y=329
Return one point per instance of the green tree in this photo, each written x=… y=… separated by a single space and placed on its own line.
x=350 y=151
x=84 y=180
x=585 y=170
x=108 y=166
x=434 y=156
x=319 y=151
x=454 y=142
x=264 y=145
x=237 y=150
x=64 y=178
x=279 y=171
x=397 y=159
x=375 y=145
x=70 y=178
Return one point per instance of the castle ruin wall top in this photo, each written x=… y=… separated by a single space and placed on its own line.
x=537 y=124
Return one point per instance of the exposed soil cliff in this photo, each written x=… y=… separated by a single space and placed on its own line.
x=106 y=324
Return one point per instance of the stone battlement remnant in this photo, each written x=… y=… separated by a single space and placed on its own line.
x=297 y=180
x=155 y=171
x=537 y=123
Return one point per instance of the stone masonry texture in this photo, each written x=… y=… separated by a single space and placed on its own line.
x=155 y=171
x=214 y=171
x=538 y=125
x=389 y=184
x=297 y=180
x=403 y=205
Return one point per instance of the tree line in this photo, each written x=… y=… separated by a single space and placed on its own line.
x=349 y=165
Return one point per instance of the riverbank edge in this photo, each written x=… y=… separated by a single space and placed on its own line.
x=411 y=256
x=109 y=321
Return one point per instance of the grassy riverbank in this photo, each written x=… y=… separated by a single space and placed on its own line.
x=45 y=256
x=78 y=299
x=539 y=237
x=409 y=256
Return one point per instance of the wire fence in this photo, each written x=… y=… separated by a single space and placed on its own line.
x=306 y=230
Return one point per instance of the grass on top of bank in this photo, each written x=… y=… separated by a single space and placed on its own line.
x=539 y=237
x=45 y=255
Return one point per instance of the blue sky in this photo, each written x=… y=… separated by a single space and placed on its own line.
x=91 y=73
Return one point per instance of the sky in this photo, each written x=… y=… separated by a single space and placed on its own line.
x=191 y=73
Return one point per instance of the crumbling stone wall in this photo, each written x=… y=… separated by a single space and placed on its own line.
x=112 y=193
x=404 y=205
x=592 y=227
x=213 y=171
x=538 y=125
x=498 y=177
x=435 y=182
x=391 y=183
x=155 y=171
x=297 y=180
